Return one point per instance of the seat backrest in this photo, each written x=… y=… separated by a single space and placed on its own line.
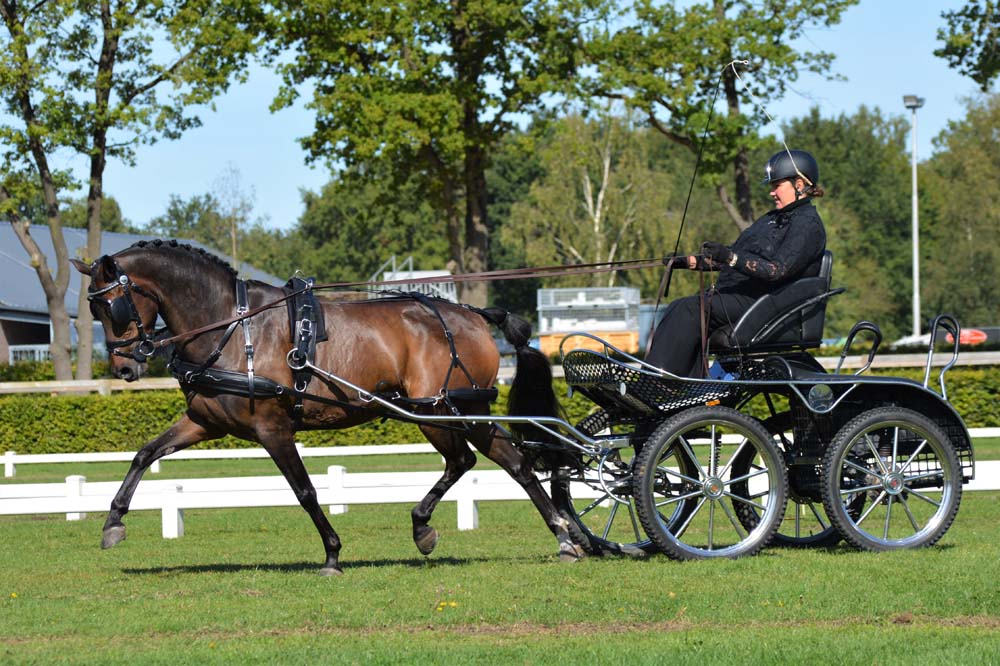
x=801 y=329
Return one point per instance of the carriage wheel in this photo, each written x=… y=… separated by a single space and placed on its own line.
x=901 y=469
x=805 y=524
x=710 y=440
x=597 y=499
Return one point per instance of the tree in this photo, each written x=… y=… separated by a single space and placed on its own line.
x=864 y=168
x=363 y=217
x=972 y=40
x=81 y=77
x=599 y=200
x=235 y=205
x=430 y=88
x=75 y=213
x=960 y=218
x=668 y=61
x=199 y=218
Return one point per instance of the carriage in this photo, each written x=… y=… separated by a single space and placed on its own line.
x=771 y=448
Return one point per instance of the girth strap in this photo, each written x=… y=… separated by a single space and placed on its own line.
x=307 y=327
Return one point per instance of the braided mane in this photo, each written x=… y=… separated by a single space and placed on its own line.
x=199 y=252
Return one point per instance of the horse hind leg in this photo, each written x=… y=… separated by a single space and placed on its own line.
x=459 y=459
x=498 y=448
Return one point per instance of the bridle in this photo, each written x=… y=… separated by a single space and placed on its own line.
x=124 y=312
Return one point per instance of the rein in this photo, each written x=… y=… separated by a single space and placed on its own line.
x=149 y=346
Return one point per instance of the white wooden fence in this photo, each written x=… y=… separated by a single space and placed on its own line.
x=337 y=488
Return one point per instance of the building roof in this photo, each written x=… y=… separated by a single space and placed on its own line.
x=22 y=294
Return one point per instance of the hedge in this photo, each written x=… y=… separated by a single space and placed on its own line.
x=124 y=421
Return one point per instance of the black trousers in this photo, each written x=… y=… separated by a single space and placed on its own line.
x=677 y=340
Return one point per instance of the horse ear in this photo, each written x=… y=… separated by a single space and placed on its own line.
x=80 y=266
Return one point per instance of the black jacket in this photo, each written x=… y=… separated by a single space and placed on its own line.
x=781 y=246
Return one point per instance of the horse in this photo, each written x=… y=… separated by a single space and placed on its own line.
x=406 y=346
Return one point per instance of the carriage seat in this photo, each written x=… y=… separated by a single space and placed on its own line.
x=789 y=318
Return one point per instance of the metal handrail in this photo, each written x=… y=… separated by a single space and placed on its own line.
x=950 y=324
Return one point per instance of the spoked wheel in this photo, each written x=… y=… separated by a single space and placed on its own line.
x=705 y=489
x=805 y=524
x=597 y=499
x=891 y=480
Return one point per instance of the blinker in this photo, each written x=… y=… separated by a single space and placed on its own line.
x=121 y=313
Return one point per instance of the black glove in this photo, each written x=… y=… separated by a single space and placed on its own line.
x=676 y=262
x=717 y=252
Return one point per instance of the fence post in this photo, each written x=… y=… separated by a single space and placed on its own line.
x=468 y=507
x=155 y=466
x=8 y=464
x=335 y=478
x=74 y=489
x=172 y=516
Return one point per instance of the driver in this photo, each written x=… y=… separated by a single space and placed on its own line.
x=785 y=244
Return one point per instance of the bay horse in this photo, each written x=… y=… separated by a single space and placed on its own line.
x=400 y=346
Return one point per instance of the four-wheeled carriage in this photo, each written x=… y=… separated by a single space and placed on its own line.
x=878 y=461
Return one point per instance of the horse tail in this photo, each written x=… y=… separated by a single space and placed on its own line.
x=531 y=392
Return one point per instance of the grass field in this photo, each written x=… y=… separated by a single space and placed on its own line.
x=241 y=587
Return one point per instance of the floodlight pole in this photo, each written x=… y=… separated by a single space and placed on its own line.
x=913 y=103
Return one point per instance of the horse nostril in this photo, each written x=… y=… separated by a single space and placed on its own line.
x=126 y=373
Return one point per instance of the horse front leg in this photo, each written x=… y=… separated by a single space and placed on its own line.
x=281 y=447
x=498 y=448
x=180 y=435
x=459 y=459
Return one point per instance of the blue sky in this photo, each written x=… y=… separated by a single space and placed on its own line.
x=883 y=47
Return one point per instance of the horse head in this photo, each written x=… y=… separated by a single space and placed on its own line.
x=126 y=309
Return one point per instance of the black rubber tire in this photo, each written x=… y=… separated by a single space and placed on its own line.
x=850 y=466
x=692 y=538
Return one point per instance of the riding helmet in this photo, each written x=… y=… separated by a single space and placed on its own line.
x=791 y=164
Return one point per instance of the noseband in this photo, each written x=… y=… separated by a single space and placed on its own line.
x=124 y=312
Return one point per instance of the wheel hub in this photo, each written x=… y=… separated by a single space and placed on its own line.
x=714 y=488
x=894 y=483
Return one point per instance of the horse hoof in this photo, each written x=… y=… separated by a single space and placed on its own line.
x=570 y=552
x=113 y=536
x=331 y=571
x=427 y=540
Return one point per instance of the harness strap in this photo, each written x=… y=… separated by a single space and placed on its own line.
x=242 y=307
x=456 y=362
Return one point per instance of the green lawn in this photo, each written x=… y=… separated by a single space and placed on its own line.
x=986 y=449
x=241 y=587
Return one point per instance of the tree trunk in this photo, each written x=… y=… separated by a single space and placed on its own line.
x=55 y=291
x=741 y=161
x=84 y=320
x=477 y=235
x=95 y=194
